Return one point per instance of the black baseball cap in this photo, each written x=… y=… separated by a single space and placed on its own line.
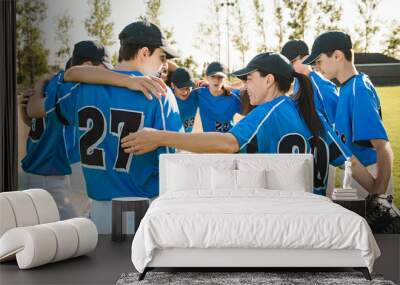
x=146 y=33
x=292 y=49
x=327 y=42
x=92 y=50
x=268 y=62
x=68 y=64
x=216 y=68
x=182 y=77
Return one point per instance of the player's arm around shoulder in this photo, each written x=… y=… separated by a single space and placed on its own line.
x=23 y=98
x=149 y=85
x=36 y=107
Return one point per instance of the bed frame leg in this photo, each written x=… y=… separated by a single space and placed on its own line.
x=365 y=272
x=143 y=274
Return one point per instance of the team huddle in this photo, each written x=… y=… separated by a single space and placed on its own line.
x=112 y=123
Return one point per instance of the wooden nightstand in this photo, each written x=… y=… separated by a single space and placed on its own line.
x=358 y=206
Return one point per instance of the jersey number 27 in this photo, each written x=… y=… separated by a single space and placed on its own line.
x=93 y=122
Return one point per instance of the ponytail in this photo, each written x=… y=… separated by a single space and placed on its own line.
x=246 y=107
x=305 y=101
x=304 y=98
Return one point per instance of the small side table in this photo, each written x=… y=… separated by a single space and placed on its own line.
x=138 y=205
x=358 y=206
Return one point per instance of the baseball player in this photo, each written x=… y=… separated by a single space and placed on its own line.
x=217 y=105
x=104 y=114
x=325 y=92
x=359 y=124
x=182 y=83
x=278 y=124
x=358 y=120
x=52 y=159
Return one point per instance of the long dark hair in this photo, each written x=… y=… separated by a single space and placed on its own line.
x=304 y=99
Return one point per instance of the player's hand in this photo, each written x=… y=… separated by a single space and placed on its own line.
x=140 y=142
x=227 y=87
x=202 y=83
x=24 y=98
x=149 y=85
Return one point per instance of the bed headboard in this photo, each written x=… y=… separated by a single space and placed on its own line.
x=201 y=160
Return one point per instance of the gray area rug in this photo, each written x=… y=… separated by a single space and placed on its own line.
x=242 y=278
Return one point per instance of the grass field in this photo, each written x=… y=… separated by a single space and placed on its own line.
x=390 y=101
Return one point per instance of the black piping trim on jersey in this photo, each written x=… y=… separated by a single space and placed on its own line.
x=348 y=80
x=60 y=117
x=365 y=143
x=252 y=146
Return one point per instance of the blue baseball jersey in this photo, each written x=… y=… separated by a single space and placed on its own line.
x=358 y=118
x=46 y=147
x=325 y=95
x=276 y=127
x=187 y=110
x=106 y=114
x=72 y=143
x=217 y=112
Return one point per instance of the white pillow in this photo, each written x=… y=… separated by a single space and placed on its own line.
x=291 y=180
x=251 y=178
x=188 y=177
x=194 y=172
x=226 y=179
x=223 y=179
x=281 y=174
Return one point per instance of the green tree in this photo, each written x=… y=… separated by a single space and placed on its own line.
x=240 y=39
x=152 y=14
x=208 y=37
x=369 y=26
x=392 y=42
x=31 y=54
x=114 y=59
x=329 y=13
x=64 y=23
x=260 y=25
x=299 y=17
x=280 y=29
x=189 y=63
x=97 y=24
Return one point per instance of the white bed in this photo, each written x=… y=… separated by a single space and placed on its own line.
x=202 y=220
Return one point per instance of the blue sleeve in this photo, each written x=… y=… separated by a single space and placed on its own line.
x=66 y=107
x=195 y=93
x=247 y=128
x=50 y=99
x=167 y=118
x=328 y=95
x=51 y=90
x=167 y=114
x=338 y=151
x=367 y=123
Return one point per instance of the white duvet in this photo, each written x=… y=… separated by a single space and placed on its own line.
x=250 y=219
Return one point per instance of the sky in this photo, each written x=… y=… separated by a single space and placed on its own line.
x=184 y=16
